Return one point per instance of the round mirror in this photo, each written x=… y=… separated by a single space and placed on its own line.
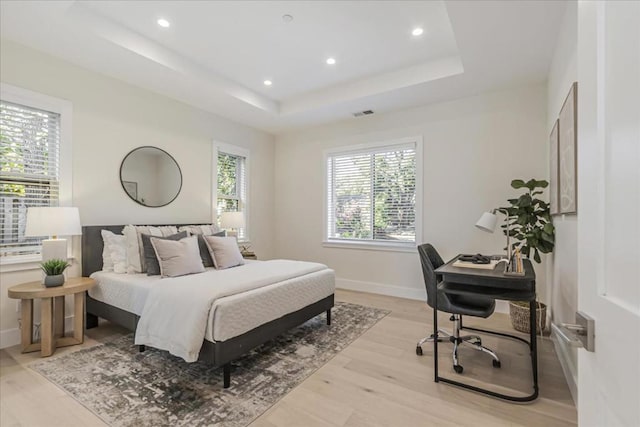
x=150 y=176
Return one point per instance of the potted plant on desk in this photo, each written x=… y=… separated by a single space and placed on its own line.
x=53 y=270
x=530 y=225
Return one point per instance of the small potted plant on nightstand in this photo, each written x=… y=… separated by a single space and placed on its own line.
x=53 y=270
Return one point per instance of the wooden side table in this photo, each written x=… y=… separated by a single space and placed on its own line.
x=249 y=255
x=52 y=313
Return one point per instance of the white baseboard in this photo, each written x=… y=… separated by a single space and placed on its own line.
x=568 y=366
x=419 y=294
x=382 y=289
x=502 y=306
x=11 y=337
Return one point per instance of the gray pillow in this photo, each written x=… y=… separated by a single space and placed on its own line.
x=224 y=251
x=178 y=258
x=153 y=267
x=204 y=250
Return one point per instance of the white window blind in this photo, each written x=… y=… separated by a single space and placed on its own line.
x=232 y=186
x=372 y=195
x=29 y=171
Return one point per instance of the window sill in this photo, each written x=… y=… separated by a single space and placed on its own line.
x=23 y=263
x=370 y=246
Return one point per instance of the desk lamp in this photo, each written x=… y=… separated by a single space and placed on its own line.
x=488 y=221
x=53 y=221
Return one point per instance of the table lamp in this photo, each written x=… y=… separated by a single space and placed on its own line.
x=488 y=221
x=232 y=221
x=53 y=221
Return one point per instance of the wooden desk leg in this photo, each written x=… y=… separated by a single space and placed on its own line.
x=58 y=309
x=27 y=324
x=78 y=317
x=47 y=342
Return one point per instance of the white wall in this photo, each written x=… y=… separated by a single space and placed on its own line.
x=110 y=118
x=563 y=273
x=473 y=148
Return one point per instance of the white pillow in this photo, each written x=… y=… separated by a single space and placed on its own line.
x=224 y=251
x=205 y=230
x=177 y=258
x=107 y=264
x=114 y=254
x=135 y=253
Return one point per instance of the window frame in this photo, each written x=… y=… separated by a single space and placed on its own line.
x=379 y=245
x=234 y=150
x=64 y=108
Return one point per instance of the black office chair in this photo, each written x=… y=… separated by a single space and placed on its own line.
x=457 y=305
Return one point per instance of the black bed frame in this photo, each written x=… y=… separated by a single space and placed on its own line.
x=219 y=353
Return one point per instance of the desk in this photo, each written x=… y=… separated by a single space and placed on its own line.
x=52 y=313
x=495 y=284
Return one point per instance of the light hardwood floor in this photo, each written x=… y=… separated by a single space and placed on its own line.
x=376 y=381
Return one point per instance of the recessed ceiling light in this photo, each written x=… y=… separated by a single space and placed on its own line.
x=331 y=61
x=417 y=31
x=268 y=82
x=164 y=23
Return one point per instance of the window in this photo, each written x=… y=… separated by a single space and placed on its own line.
x=371 y=194
x=32 y=169
x=231 y=165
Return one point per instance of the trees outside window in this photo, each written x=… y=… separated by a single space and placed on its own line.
x=372 y=194
x=29 y=172
x=232 y=182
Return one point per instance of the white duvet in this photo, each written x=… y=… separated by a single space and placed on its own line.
x=175 y=314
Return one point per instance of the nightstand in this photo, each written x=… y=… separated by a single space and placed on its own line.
x=249 y=255
x=52 y=313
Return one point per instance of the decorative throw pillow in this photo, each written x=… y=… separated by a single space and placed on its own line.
x=224 y=251
x=205 y=230
x=135 y=254
x=114 y=254
x=107 y=264
x=151 y=260
x=207 y=261
x=177 y=258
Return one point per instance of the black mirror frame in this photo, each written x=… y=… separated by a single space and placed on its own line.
x=174 y=161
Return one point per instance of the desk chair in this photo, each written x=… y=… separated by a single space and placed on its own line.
x=456 y=305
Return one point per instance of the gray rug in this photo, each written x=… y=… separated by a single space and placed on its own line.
x=127 y=388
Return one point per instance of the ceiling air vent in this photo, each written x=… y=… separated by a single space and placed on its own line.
x=362 y=113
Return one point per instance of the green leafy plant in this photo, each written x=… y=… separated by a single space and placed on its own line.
x=530 y=220
x=54 y=267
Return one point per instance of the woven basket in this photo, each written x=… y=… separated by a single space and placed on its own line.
x=520 y=317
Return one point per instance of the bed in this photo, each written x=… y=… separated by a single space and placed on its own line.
x=237 y=324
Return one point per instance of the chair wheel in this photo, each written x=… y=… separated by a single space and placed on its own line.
x=419 y=350
x=496 y=363
x=458 y=368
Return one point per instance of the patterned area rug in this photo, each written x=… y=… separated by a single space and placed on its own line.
x=127 y=388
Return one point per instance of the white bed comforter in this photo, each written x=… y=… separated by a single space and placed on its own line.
x=175 y=314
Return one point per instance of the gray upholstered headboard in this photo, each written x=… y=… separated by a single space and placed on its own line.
x=92 y=245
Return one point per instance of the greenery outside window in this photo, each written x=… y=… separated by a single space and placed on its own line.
x=372 y=195
x=232 y=183
x=34 y=165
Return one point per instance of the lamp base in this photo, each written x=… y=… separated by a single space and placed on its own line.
x=54 y=249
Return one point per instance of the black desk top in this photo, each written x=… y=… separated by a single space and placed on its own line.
x=516 y=286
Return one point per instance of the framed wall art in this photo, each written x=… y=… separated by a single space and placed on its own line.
x=567 y=151
x=553 y=170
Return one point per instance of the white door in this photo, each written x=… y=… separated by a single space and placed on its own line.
x=609 y=210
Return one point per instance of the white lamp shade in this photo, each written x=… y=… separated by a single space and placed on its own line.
x=487 y=222
x=53 y=221
x=232 y=220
